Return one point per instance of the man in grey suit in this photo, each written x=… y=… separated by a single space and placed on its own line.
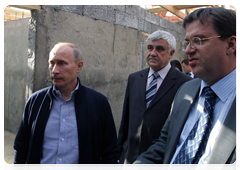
x=211 y=47
x=144 y=113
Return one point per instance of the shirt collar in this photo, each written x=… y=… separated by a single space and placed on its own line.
x=57 y=93
x=223 y=87
x=162 y=73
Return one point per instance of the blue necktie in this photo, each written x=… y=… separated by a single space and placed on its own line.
x=151 y=89
x=195 y=145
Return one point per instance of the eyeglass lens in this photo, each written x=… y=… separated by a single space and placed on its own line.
x=195 y=42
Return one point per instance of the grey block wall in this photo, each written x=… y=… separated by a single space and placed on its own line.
x=110 y=38
x=16 y=71
x=131 y=16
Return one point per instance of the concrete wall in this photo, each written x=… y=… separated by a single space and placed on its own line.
x=110 y=52
x=15 y=71
x=130 y=16
x=110 y=38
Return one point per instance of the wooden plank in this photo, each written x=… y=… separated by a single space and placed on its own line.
x=174 y=10
x=184 y=6
x=188 y=11
x=188 y=6
x=29 y=7
x=16 y=12
x=156 y=9
x=145 y=34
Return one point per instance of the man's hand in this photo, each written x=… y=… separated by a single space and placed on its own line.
x=132 y=168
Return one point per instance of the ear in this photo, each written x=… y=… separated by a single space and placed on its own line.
x=79 y=66
x=231 y=48
x=172 y=52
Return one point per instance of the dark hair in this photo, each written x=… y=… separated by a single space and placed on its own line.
x=176 y=63
x=186 y=62
x=224 y=20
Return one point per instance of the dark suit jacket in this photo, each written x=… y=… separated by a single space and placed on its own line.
x=96 y=129
x=140 y=126
x=163 y=149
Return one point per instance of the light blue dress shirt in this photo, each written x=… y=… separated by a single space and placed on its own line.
x=225 y=89
x=60 y=143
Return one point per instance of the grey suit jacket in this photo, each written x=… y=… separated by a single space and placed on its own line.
x=163 y=149
x=141 y=125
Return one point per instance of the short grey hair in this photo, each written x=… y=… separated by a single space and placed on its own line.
x=77 y=54
x=157 y=35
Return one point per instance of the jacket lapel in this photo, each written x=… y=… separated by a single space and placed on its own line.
x=39 y=125
x=181 y=107
x=142 y=87
x=226 y=141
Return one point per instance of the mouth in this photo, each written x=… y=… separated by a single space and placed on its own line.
x=152 y=59
x=192 y=61
x=56 y=78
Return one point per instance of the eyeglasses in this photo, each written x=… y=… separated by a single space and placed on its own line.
x=196 y=42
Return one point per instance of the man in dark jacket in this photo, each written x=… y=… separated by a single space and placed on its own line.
x=66 y=123
x=144 y=113
x=201 y=128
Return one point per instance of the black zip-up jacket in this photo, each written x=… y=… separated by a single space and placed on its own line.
x=96 y=129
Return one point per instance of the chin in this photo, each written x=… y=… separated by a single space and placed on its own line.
x=57 y=84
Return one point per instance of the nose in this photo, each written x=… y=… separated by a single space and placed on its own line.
x=153 y=52
x=189 y=49
x=55 y=69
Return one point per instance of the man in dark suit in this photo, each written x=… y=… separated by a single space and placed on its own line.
x=66 y=123
x=144 y=113
x=187 y=68
x=201 y=128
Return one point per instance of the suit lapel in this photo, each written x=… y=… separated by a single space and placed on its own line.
x=142 y=87
x=181 y=107
x=226 y=141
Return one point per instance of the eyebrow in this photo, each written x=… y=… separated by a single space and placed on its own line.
x=57 y=61
x=155 y=46
x=197 y=35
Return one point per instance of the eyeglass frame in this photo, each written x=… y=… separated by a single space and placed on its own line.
x=201 y=39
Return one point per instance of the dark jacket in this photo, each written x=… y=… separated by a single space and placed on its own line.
x=96 y=129
x=163 y=149
x=141 y=125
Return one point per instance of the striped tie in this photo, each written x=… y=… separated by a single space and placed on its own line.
x=195 y=145
x=152 y=89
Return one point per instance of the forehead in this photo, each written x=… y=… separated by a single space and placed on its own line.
x=196 y=28
x=63 y=53
x=160 y=42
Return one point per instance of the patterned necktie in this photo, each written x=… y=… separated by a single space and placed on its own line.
x=151 y=89
x=195 y=145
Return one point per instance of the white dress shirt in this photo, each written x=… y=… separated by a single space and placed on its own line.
x=190 y=74
x=162 y=73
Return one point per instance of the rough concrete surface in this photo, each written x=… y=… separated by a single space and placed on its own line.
x=15 y=71
x=8 y=146
x=110 y=38
x=110 y=52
